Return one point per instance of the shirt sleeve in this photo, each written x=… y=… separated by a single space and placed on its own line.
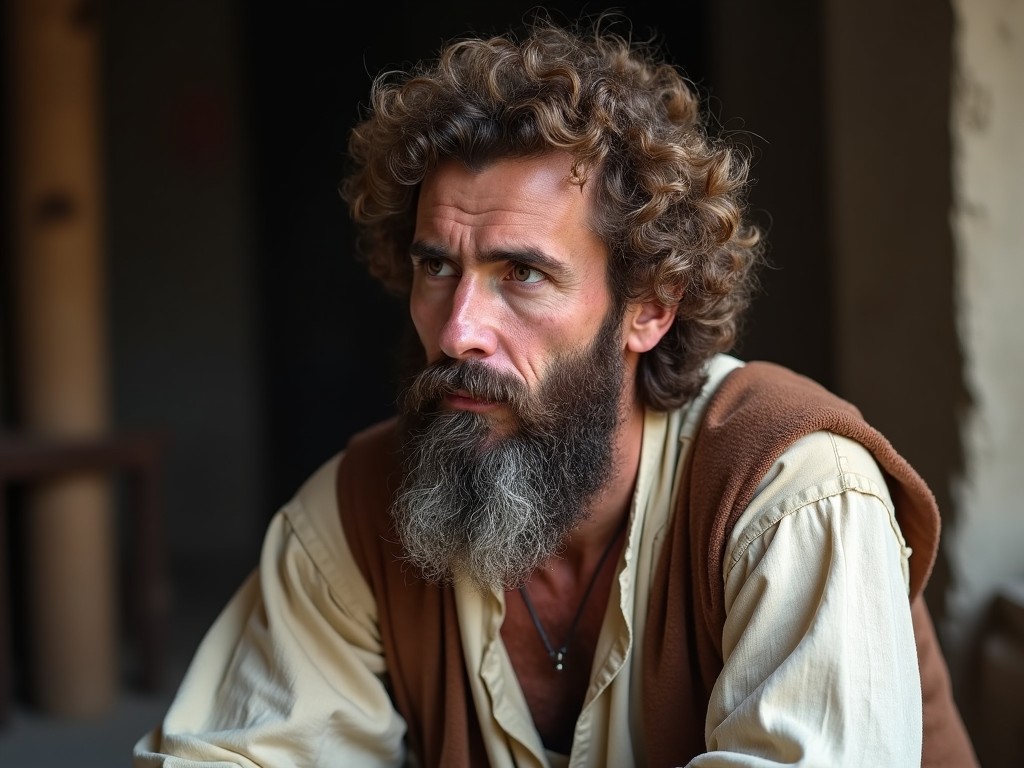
x=820 y=659
x=292 y=671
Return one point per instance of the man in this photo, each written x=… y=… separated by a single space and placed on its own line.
x=591 y=537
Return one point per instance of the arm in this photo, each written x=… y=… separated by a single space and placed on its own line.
x=292 y=671
x=820 y=661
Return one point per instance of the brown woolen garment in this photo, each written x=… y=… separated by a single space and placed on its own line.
x=755 y=414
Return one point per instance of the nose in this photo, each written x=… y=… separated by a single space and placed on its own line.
x=469 y=332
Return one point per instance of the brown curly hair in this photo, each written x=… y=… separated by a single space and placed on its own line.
x=671 y=199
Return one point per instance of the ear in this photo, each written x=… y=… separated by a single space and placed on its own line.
x=645 y=324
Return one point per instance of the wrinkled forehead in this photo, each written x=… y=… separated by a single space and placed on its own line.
x=521 y=196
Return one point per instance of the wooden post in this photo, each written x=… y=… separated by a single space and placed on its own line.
x=60 y=347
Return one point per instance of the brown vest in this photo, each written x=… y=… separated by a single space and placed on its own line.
x=756 y=413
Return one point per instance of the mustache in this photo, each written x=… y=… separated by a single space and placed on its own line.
x=448 y=376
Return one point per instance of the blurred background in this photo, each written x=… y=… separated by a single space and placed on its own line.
x=184 y=335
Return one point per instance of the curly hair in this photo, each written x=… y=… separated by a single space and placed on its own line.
x=670 y=197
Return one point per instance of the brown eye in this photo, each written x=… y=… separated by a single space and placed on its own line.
x=433 y=267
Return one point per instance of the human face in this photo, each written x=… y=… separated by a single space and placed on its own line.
x=507 y=271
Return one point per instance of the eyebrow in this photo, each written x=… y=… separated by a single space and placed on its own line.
x=530 y=257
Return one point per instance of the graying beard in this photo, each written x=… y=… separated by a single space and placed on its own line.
x=491 y=525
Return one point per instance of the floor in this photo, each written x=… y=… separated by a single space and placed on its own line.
x=32 y=739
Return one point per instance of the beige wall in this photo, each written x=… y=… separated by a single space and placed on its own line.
x=987 y=547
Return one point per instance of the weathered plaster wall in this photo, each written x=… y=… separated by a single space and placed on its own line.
x=986 y=548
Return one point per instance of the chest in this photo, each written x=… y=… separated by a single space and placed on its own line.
x=555 y=696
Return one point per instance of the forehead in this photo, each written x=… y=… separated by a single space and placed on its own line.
x=514 y=202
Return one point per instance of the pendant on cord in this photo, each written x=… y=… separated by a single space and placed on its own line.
x=558 y=656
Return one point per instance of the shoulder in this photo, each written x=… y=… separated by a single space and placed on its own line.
x=315 y=513
x=366 y=478
x=375 y=445
x=826 y=463
x=762 y=412
x=761 y=392
x=766 y=423
x=370 y=455
x=818 y=467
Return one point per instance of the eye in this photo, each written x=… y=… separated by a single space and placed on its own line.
x=521 y=273
x=435 y=267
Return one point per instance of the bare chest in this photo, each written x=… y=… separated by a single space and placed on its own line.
x=555 y=696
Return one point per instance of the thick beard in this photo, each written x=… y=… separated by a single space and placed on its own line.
x=492 y=508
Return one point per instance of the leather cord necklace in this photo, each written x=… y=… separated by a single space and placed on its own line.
x=558 y=654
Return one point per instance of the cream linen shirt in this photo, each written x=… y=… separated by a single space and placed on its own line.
x=820 y=659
